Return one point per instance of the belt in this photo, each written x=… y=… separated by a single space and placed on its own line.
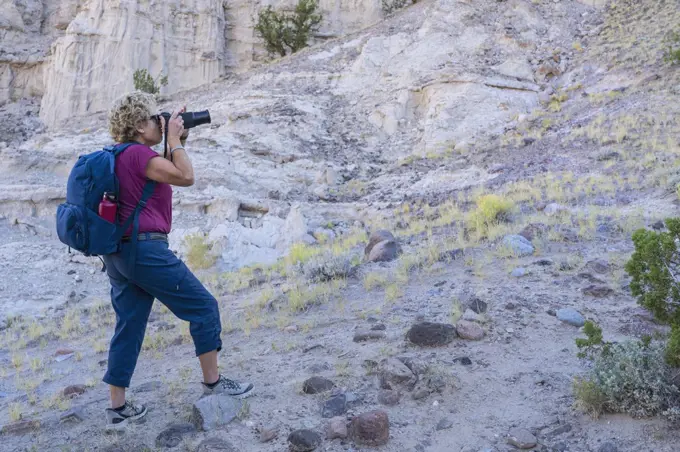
x=148 y=236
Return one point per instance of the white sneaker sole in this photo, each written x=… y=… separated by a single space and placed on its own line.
x=123 y=424
x=245 y=395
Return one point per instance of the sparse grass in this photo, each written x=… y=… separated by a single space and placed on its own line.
x=36 y=364
x=199 y=254
x=56 y=401
x=15 y=412
x=373 y=280
x=490 y=212
x=17 y=361
x=342 y=369
x=456 y=311
x=393 y=292
x=101 y=346
x=70 y=325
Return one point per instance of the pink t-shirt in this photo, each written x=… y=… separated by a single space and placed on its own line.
x=131 y=171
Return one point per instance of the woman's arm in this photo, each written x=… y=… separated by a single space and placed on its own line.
x=179 y=171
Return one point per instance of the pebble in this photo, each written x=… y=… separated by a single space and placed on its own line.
x=444 y=424
x=469 y=330
x=519 y=245
x=268 y=434
x=303 y=440
x=337 y=428
x=521 y=438
x=519 y=272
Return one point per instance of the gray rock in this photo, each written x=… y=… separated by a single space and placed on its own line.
x=388 y=397
x=172 y=435
x=393 y=373
x=75 y=414
x=363 y=336
x=74 y=390
x=469 y=330
x=598 y=266
x=335 y=406
x=444 y=424
x=215 y=411
x=534 y=230
x=384 y=251
x=571 y=316
x=417 y=366
x=608 y=447
x=519 y=272
x=519 y=245
x=304 y=440
x=337 y=428
x=20 y=427
x=215 y=445
x=316 y=385
x=431 y=334
x=377 y=237
x=370 y=429
x=268 y=434
x=521 y=438
x=477 y=305
x=598 y=291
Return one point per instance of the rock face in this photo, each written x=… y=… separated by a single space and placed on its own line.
x=95 y=46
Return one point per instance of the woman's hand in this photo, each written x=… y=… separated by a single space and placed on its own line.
x=175 y=127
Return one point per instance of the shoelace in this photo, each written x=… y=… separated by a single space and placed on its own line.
x=230 y=383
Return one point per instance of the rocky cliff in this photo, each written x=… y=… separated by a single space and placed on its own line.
x=79 y=56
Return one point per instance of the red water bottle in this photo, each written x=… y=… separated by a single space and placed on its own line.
x=108 y=208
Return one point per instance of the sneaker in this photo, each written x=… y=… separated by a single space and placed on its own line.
x=229 y=387
x=116 y=420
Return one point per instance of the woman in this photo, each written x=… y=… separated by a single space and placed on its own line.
x=157 y=273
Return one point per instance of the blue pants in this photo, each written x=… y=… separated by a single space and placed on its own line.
x=158 y=274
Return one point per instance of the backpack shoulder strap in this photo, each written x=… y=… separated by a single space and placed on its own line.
x=119 y=148
x=134 y=218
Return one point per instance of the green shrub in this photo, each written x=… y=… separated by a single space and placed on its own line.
x=390 y=6
x=593 y=345
x=654 y=267
x=283 y=31
x=144 y=82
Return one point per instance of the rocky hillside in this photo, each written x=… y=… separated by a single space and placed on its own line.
x=561 y=115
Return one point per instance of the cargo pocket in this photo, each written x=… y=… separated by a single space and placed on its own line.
x=72 y=226
x=102 y=235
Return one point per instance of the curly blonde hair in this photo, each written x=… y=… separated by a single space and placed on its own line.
x=128 y=112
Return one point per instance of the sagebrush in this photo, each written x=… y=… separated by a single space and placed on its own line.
x=631 y=377
x=288 y=31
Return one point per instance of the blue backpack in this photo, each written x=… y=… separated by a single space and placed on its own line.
x=78 y=222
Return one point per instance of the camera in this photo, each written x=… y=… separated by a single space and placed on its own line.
x=191 y=118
